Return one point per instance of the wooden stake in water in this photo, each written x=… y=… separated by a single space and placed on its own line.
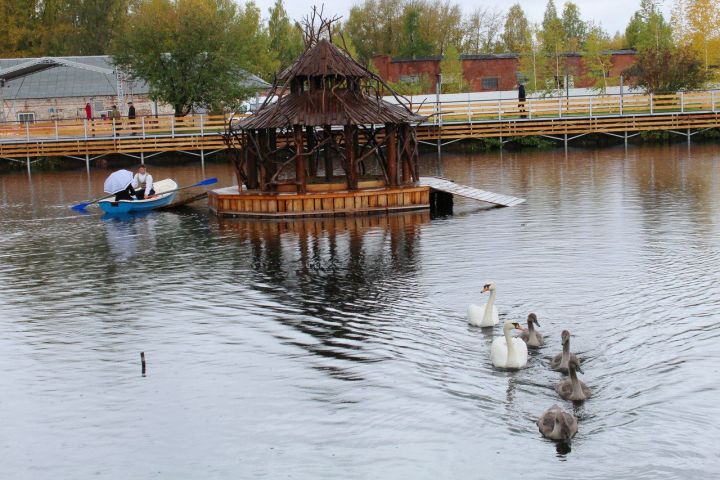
x=142 y=362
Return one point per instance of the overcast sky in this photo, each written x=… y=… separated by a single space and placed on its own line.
x=613 y=14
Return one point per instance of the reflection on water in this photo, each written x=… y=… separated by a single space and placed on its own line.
x=326 y=348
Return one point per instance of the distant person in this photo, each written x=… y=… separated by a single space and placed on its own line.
x=131 y=117
x=88 y=111
x=521 y=100
x=115 y=118
x=143 y=184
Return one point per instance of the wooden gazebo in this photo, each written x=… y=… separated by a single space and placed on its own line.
x=323 y=142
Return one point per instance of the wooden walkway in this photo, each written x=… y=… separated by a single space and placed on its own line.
x=449 y=186
x=561 y=118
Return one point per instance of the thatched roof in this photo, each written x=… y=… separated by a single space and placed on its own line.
x=322 y=60
x=340 y=101
x=318 y=108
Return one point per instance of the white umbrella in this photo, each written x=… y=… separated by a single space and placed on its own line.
x=118 y=181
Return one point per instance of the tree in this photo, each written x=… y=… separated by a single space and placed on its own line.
x=664 y=70
x=516 y=35
x=597 y=58
x=552 y=61
x=574 y=28
x=697 y=23
x=374 y=27
x=286 y=39
x=452 y=71
x=481 y=31
x=190 y=52
x=530 y=60
x=648 y=28
x=412 y=43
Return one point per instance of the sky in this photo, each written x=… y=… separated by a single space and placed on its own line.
x=614 y=15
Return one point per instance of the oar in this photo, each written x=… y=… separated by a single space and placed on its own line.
x=80 y=207
x=201 y=183
x=208 y=181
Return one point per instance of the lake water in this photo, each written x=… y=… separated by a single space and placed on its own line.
x=339 y=348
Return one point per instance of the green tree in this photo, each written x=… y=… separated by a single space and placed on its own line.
x=574 y=28
x=596 y=57
x=648 y=28
x=374 y=27
x=412 y=42
x=452 y=71
x=286 y=39
x=551 y=64
x=516 y=35
x=697 y=23
x=187 y=51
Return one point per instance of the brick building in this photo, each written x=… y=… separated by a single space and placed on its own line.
x=492 y=72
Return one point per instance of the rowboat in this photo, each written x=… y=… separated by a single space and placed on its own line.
x=165 y=192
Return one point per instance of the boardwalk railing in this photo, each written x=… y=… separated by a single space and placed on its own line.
x=575 y=106
x=444 y=112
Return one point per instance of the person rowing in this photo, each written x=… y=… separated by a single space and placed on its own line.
x=143 y=184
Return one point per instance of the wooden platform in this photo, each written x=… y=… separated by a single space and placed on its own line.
x=230 y=202
x=449 y=186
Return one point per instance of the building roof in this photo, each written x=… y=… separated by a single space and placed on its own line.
x=91 y=76
x=497 y=56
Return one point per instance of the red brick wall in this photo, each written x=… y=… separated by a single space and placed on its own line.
x=504 y=68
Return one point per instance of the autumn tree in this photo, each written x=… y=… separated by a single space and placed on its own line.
x=667 y=70
x=374 y=27
x=697 y=23
x=481 y=31
x=191 y=52
x=286 y=38
x=451 y=70
x=552 y=61
x=516 y=34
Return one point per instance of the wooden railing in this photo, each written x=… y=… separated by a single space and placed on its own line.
x=576 y=106
x=449 y=120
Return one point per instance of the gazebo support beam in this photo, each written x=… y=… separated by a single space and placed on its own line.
x=328 y=156
x=351 y=155
x=392 y=164
x=299 y=159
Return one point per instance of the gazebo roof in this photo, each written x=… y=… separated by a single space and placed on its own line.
x=318 y=108
x=322 y=60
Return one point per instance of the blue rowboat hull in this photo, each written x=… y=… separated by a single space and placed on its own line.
x=130 y=206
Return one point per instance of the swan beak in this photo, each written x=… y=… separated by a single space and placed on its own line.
x=579 y=369
x=536 y=322
x=485 y=289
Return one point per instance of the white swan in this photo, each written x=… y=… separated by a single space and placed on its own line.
x=486 y=315
x=508 y=351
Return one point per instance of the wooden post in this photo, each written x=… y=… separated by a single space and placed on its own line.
x=271 y=147
x=405 y=153
x=142 y=362
x=263 y=158
x=328 y=157
x=311 y=142
x=299 y=160
x=351 y=156
x=251 y=162
x=391 y=143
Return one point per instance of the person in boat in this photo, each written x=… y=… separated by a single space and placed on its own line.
x=127 y=194
x=143 y=184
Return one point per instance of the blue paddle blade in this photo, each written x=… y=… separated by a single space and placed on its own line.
x=80 y=207
x=207 y=181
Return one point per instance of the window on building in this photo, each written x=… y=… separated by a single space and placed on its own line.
x=26 y=117
x=98 y=106
x=410 y=78
x=490 y=83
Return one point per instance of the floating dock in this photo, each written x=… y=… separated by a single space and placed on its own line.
x=448 y=186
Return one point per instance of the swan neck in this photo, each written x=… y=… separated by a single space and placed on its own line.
x=576 y=388
x=557 y=429
x=487 y=316
x=508 y=342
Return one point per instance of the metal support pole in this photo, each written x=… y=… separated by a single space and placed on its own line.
x=202 y=158
x=27 y=130
x=113 y=127
x=621 y=94
x=57 y=133
x=626 y=139
x=689 y=136
x=87 y=162
x=682 y=102
x=172 y=126
x=712 y=100
x=651 y=104
x=591 y=107
x=142 y=123
x=27 y=161
x=85 y=128
x=438 y=87
x=566 y=143
x=142 y=158
x=560 y=107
